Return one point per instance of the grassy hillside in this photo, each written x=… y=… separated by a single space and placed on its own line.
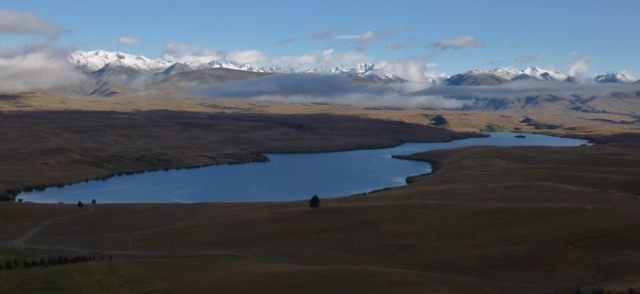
x=490 y=219
x=531 y=219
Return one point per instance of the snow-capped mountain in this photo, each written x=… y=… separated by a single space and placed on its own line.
x=104 y=63
x=614 y=77
x=476 y=77
x=367 y=70
x=504 y=75
x=97 y=59
x=93 y=61
x=543 y=74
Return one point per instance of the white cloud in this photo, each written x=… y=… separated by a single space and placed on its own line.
x=409 y=69
x=394 y=46
x=128 y=40
x=17 y=22
x=348 y=37
x=174 y=48
x=255 y=57
x=363 y=40
x=35 y=67
x=326 y=58
x=457 y=43
x=629 y=75
x=366 y=39
x=187 y=53
x=324 y=89
x=321 y=35
x=285 y=41
x=579 y=65
x=525 y=58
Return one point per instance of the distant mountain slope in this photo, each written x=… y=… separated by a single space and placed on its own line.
x=476 y=78
x=531 y=88
x=93 y=61
x=499 y=76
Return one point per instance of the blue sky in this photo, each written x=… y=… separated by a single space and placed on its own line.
x=580 y=37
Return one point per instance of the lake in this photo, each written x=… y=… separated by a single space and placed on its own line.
x=286 y=177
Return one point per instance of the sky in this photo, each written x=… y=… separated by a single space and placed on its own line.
x=408 y=37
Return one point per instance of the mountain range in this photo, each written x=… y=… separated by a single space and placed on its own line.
x=113 y=73
x=98 y=62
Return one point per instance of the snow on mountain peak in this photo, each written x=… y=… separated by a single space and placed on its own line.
x=543 y=74
x=97 y=59
x=92 y=61
x=613 y=77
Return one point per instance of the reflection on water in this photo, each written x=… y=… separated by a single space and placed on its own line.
x=286 y=177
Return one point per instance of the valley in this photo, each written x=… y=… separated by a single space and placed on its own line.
x=531 y=219
x=526 y=219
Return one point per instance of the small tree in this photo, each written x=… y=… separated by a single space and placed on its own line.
x=93 y=201
x=314 y=202
x=80 y=204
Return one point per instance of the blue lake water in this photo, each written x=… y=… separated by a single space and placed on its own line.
x=286 y=177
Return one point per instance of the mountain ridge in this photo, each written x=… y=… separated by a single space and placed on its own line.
x=92 y=61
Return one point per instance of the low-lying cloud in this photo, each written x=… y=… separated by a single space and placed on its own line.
x=36 y=66
x=330 y=89
x=578 y=66
x=308 y=88
x=527 y=88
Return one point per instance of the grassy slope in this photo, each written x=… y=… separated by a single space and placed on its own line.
x=490 y=219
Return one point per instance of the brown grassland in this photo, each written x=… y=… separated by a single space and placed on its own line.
x=488 y=220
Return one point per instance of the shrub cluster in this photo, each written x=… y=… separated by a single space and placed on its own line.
x=51 y=261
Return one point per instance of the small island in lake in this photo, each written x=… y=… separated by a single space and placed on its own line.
x=520 y=136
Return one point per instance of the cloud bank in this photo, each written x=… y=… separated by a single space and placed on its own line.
x=36 y=66
x=331 y=89
x=308 y=88
x=527 y=88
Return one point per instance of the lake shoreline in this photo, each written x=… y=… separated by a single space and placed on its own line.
x=62 y=147
x=277 y=181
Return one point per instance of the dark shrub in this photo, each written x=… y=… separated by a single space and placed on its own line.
x=314 y=202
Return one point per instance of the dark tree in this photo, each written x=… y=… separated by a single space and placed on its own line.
x=93 y=201
x=80 y=204
x=314 y=202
